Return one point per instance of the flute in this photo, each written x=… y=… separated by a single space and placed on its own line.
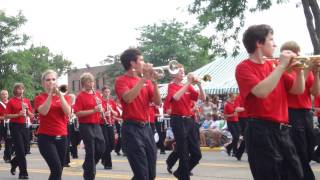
x=99 y=103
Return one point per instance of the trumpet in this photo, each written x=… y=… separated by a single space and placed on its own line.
x=205 y=78
x=172 y=67
x=63 y=88
x=304 y=62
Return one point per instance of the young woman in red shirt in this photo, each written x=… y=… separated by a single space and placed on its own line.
x=107 y=126
x=19 y=110
x=54 y=109
x=89 y=108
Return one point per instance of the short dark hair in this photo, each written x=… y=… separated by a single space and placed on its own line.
x=105 y=87
x=254 y=34
x=129 y=55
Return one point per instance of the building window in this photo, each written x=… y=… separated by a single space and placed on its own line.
x=103 y=81
x=79 y=85
x=73 y=86
x=97 y=84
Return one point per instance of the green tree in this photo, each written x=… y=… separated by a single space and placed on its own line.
x=28 y=65
x=228 y=17
x=174 y=40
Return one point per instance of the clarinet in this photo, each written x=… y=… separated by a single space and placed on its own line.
x=99 y=103
x=25 y=110
x=7 y=124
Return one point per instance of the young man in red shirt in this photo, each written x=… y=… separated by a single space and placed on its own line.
x=181 y=96
x=300 y=114
x=136 y=89
x=89 y=110
x=263 y=86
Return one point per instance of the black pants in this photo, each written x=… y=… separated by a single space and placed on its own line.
x=139 y=145
x=303 y=138
x=108 y=134
x=118 y=145
x=271 y=152
x=241 y=148
x=8 y=146
x=188 y=147
x=94 y=146
x=54 y=151
x=172 y=159
x=2 y=132
x=75 y=140
x=162 y=135
x=234 y=129
x=20 y=137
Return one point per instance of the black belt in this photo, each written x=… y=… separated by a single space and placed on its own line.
x=136 y=123
x=270 y=124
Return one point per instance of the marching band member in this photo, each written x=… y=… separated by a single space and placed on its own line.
x=75 y=138
x=118 y=122
x=88 y=108
x=264 y=86
x=136 y=88
x=300 y=114
x=231 y=116
x=108 y=127
x=5 y=128
x=183 y=126
x=54 y=109
x=19 y=110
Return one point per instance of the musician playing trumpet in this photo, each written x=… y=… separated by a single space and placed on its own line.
x=181 y=96
x=136 y=88
x=89 y=109
x=54 y=109
x=19 y=132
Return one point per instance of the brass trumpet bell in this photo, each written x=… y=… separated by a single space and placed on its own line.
x=172 y=67
x=305 y=61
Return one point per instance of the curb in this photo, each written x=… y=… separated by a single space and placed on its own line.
x=206 y=149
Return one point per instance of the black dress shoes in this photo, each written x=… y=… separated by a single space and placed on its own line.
x=13 y=169
x=23 y=177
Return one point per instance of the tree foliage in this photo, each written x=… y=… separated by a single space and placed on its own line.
x=228 y=17
x=173 y=40
x=24 y=65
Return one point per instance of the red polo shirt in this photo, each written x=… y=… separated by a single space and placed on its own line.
x=240 y=103
x=301 y=101
x=138 y=109
x=14 y=106
x=110 y=119
x=87 y=101
x=229 y=108
x=275 y=106
x=183 y=106
x=55 y=122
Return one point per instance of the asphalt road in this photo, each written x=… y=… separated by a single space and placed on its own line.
x=215 y=165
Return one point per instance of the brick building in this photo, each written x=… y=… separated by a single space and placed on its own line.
x=98 y=72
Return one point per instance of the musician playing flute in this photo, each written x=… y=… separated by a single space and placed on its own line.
x=18 y=111
x=54 y=109
x=136 y=88
x=89 y=109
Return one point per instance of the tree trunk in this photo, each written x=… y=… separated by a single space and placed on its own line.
x=312 y=15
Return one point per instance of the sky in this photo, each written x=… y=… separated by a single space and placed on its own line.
x=85 y=32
